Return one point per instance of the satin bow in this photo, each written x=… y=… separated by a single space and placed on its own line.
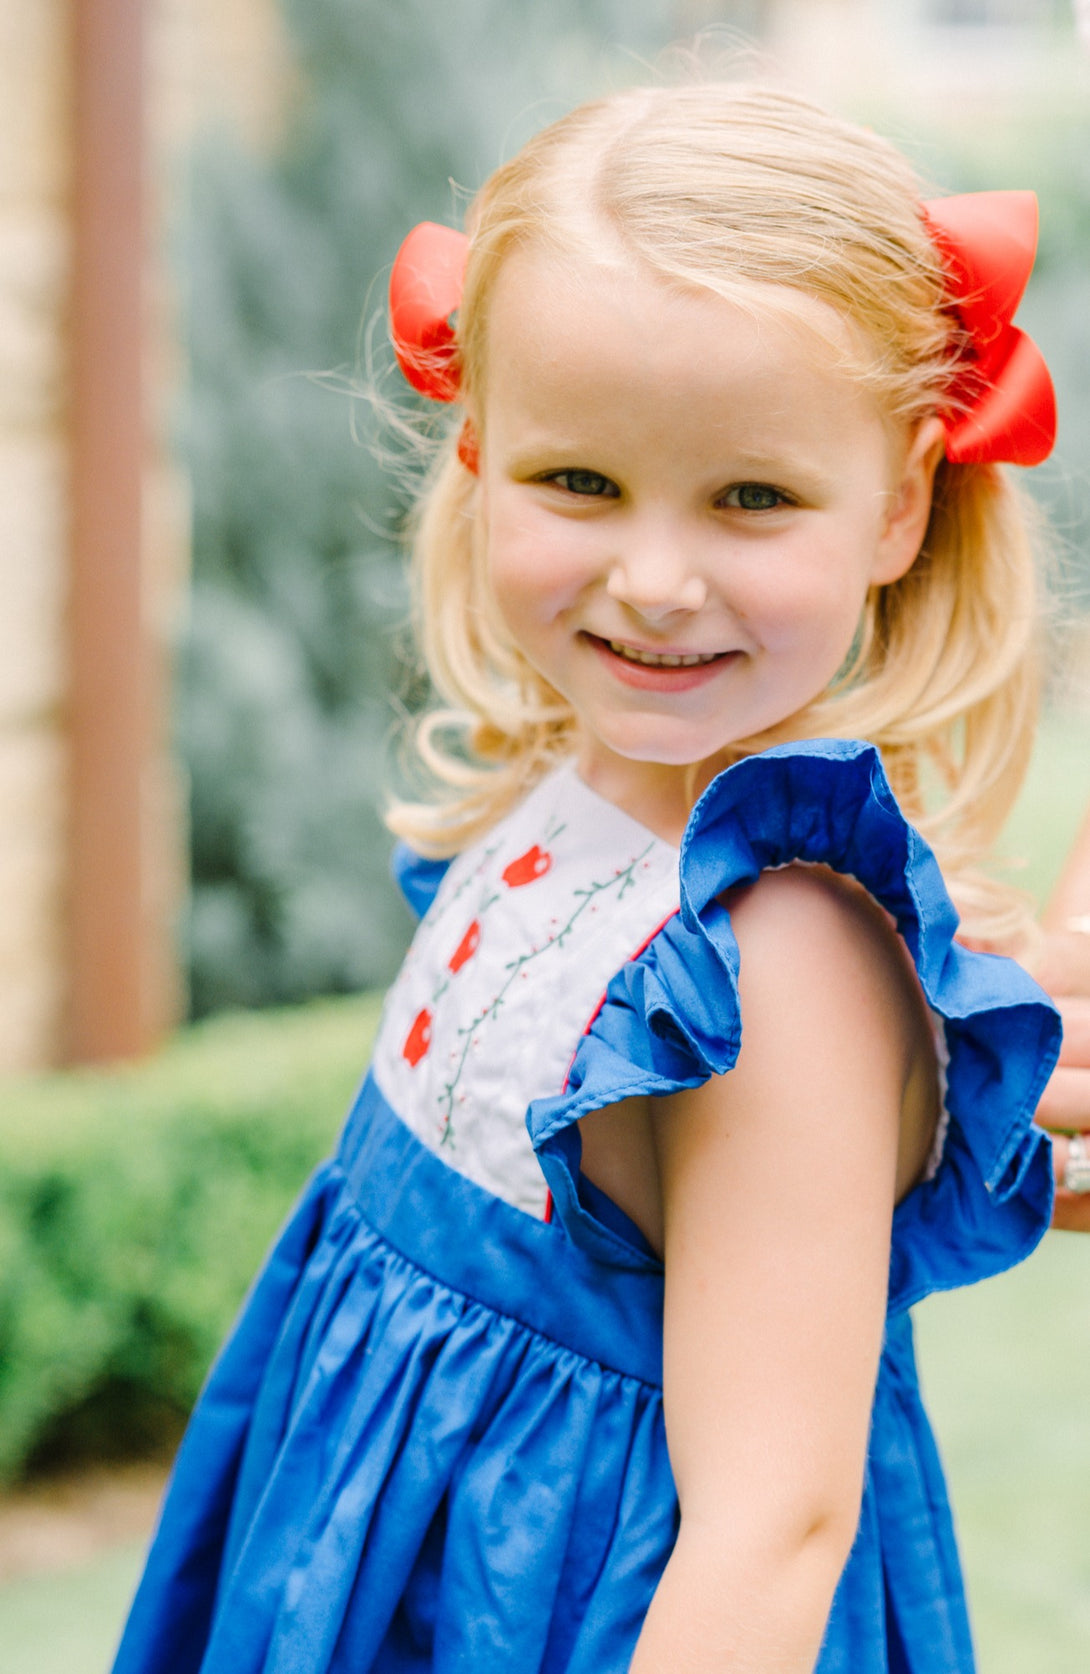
x=1006 y=409
x=1006 y=405
x=425 y=289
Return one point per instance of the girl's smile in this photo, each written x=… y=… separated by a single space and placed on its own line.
x=683 y=503
x=658 y=671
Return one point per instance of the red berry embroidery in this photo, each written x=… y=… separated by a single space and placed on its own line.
x=533 y=864
x=466 y=948
x=418 y=1038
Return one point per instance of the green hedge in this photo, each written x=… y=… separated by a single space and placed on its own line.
x=135 y=1206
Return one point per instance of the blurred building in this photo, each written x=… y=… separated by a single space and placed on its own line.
x=956 y=61
x=97 y=99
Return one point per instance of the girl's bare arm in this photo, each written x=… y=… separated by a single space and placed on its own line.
x=778 y=1187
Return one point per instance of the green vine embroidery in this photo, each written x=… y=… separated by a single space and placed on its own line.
x=623 y=879
x=488 y=899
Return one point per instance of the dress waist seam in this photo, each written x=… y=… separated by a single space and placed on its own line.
x=337 y=1173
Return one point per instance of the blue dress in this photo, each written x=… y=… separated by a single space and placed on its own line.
x=434 y=1441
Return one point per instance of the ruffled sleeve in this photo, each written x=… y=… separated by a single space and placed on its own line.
x=670 y=1018
x=417 y=877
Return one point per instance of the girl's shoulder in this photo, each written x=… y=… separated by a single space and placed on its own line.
x=673 y=1017
x=822 y=971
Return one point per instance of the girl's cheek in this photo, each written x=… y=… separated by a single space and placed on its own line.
x=520 y=586
x=536 y=560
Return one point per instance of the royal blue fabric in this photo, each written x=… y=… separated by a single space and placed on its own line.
x=416 y=876
x=435 y=1440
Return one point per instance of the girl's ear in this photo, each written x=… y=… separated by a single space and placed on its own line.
x=908 y=509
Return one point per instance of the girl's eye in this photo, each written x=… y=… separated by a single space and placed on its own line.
x=754 y=497
x=590 y=483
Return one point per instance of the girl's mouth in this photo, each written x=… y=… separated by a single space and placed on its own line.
x=663 y=659
x=662 y=671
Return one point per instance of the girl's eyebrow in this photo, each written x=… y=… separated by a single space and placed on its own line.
x=735 y=456
x=779 y=462
x=538 y=452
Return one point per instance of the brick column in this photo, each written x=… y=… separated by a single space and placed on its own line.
x=118 y=958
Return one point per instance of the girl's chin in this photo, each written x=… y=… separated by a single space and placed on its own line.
x=657 y=753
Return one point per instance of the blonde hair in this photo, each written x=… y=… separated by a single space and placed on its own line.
x=720 y=187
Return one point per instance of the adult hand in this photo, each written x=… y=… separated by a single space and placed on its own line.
x=1063 y=970
x=1065 y=1103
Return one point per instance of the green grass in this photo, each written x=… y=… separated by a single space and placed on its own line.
x=67 y=1623
x=1006 y=1365
x=1006 y=1373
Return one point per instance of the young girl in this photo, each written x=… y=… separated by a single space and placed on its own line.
x=590 y=1349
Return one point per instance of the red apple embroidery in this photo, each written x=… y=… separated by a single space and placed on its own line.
x=418 y=1038
x=466 y=948
x=533 y=864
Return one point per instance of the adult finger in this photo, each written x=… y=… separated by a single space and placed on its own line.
x=1062 y=966
x=1074 y=1013
x=1065 y=1102
x=1071 y=1211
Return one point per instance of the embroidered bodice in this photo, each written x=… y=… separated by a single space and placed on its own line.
x=508 y=968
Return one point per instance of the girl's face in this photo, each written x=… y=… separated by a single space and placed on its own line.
x=683 y=502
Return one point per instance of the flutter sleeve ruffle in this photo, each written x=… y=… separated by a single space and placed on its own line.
x=670 y=1017
x=417 y=877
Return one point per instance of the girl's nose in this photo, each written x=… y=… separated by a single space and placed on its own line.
x=656 y=584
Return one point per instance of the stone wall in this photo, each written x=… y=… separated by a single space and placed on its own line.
x=34 y=180
x=205 y=61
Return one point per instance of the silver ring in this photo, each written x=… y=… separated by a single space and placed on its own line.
x=1077 y=1167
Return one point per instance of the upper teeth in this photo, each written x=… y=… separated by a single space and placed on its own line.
x=667 y=660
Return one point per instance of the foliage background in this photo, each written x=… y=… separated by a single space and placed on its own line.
x=294 y=664
x=295 y=667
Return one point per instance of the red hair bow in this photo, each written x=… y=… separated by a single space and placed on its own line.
x=1006 y=403
x=425 y=289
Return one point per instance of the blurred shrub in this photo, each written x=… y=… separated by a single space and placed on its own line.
x=1054 y=159
x=135 y=1208
x=284 y=712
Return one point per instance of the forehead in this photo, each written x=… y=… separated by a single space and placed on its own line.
x=583 y=338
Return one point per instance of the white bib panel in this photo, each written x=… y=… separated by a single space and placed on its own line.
x=508 y=968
